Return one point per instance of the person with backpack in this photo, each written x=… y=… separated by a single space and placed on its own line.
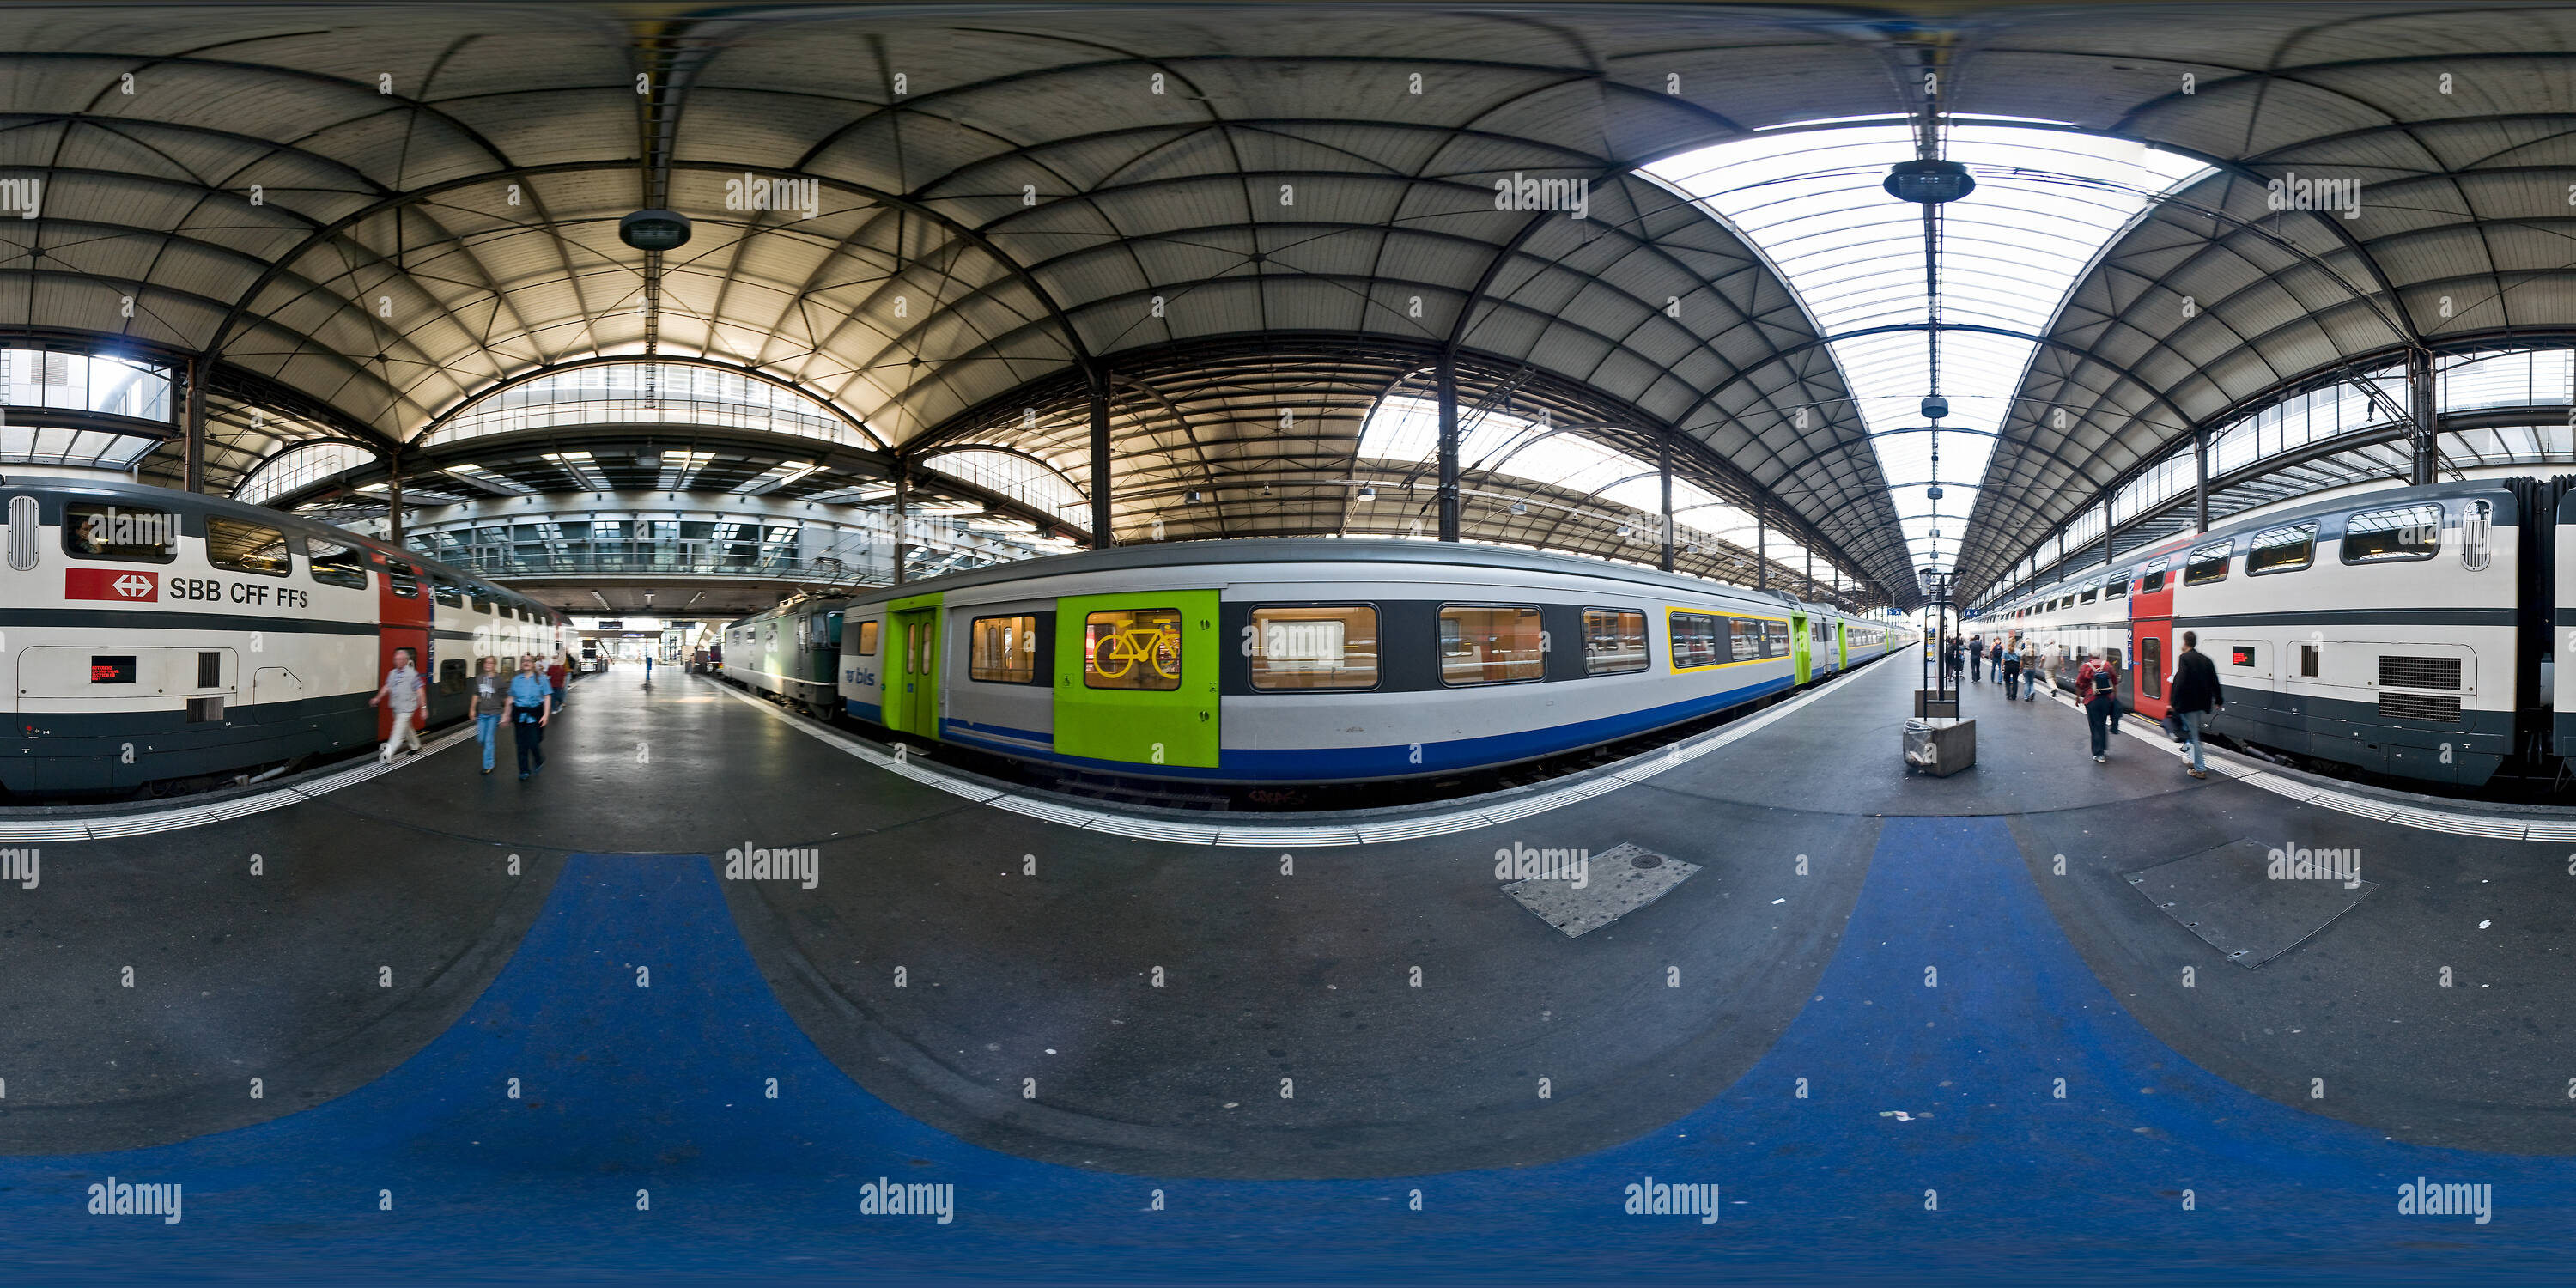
x=2196 y=696
x=2008 y=670
x=2097 y=686
x=2029 y=672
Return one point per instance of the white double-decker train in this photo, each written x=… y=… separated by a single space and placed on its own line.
x=152 y=638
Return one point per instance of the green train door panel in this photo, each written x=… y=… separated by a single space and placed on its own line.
x=1842 y=645
x=1798 y=647
x=913 y=705
x=1135 y=677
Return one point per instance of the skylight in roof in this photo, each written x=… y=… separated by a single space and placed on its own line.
x=2047 y=202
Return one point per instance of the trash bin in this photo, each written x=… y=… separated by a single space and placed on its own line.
x=1940 y=747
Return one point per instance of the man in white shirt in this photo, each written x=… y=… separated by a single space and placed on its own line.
x=402 y=688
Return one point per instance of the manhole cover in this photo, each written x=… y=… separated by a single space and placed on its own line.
x=1616 y=882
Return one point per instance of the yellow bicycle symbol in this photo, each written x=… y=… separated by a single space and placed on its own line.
x=1120 y=652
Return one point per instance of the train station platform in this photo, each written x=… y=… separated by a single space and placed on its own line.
x=1876 y=1012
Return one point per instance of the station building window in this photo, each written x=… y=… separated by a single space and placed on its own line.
x=1315 y=648
x=1490 y=644
x=235 y=546
x=1614 y=641
x=1132 y=648
x=1003 y=650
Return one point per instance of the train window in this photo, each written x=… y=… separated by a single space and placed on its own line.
x=2087 y=596
x=2394 y=534
x=1692 y=639
x=451 y=675
x=335 y=564
x=1775 y=639
x=1614 y=640
x=1132 y=648
x=1490 y=644
x=235 y=546
x=2287 y=548
x=1745 y=640
x=447 y=593
x=1314 y=648
x=403 y=578
x=2155 y=578
x=2240 y=655
x=1003 y=650
x=2308 y=661
x=2207 y=564
x=868 y=639
x=92 y=531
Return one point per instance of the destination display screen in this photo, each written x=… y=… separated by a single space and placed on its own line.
x=111 y=670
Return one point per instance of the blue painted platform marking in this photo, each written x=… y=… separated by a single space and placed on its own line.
x=660 y=1088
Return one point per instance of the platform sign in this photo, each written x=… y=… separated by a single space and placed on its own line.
x=122 y=584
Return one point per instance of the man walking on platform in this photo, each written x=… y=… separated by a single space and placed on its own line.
x=531 y=705
x=402 y=689
x=2196 y=696
x=1976 y=660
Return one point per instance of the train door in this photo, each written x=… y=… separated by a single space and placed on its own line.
x=1800 y=654
x=823 y=664
x=2151 y=635
x=402 y=617
x=1842 y=644
x=912 y=674
x=1135 y=677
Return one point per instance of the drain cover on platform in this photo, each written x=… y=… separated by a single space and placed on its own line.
x=2229 y=898
x=1616 y=882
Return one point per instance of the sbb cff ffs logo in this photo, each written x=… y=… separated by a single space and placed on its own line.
x=111 y=583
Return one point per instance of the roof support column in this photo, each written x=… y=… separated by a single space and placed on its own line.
x=2420 y=393
x=1761 y=556
x=2106 y=534
x=393 y=497
x=2200 y=474
x=902 y=524
x=192 y=425
x=1101 y=537
x=1664 y=475
x=1448 y=394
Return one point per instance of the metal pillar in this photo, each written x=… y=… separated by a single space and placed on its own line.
x=393 y=497
x=192 y=425
x=1664 y=471
x=1448 y=392
x=1761 y=560
x=903 y=525
x=2106 y=533
x=2200 y=473
x=1101 y=537
x=2420 y=393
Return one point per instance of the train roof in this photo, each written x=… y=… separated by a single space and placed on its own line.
x=200 y=503
x=1261 y=550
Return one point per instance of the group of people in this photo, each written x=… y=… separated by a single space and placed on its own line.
x=2192 y=693
x=529 y=699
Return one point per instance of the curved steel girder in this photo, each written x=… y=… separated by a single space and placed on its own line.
x=1714 y=471
x=2504 y=337
x=468 y=401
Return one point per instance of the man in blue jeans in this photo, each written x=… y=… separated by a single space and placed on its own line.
x=531 y=705
x=490 y=699
x=2196 y=696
